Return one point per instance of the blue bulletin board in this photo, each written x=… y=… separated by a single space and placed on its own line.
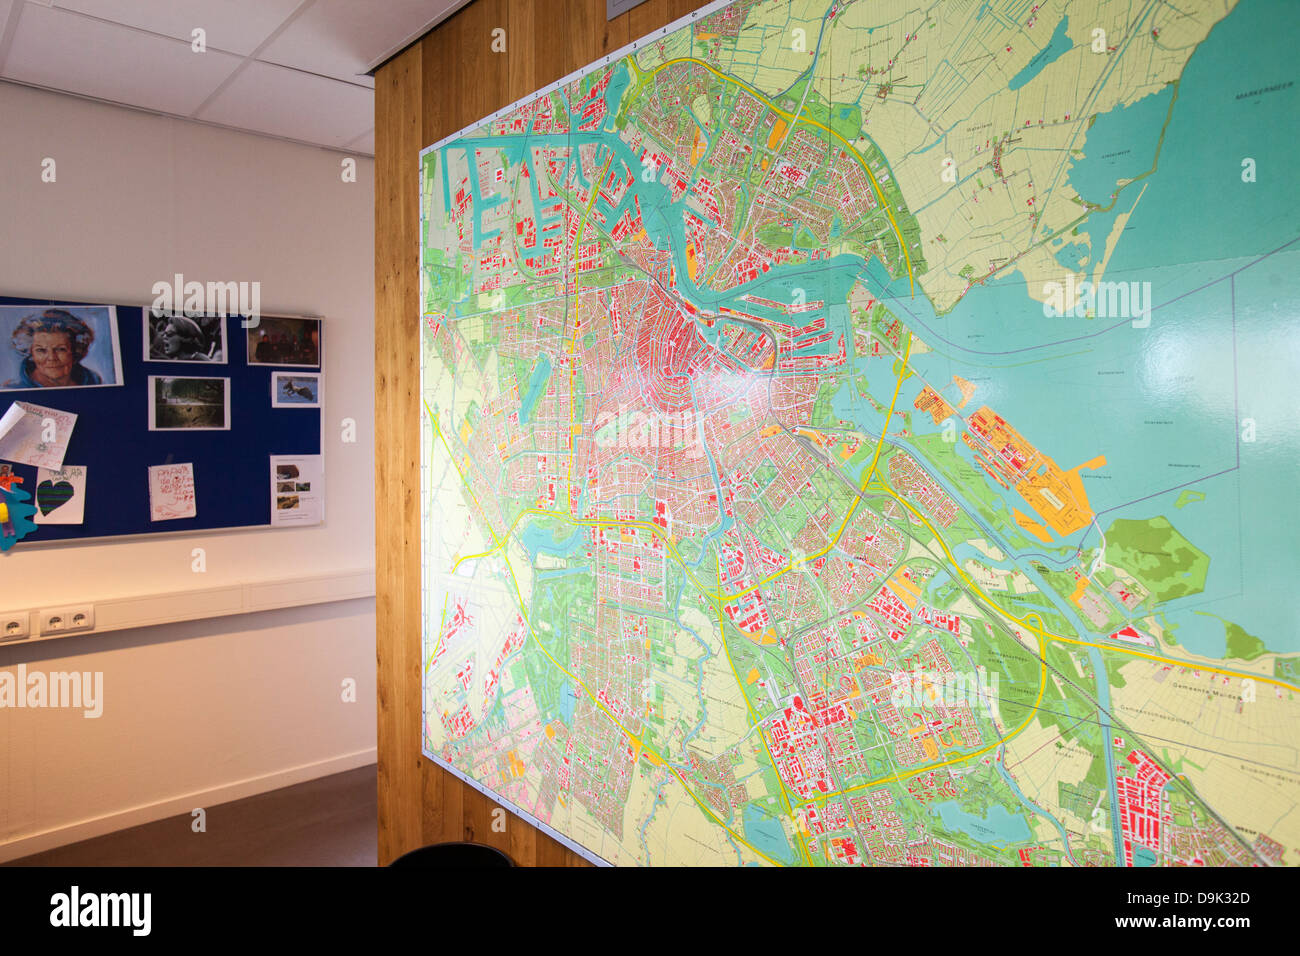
x=113 y=441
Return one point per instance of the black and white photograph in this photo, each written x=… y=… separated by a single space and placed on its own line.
x=176 y=337
x=194 y=404
x=295 y=390
x=284 y=341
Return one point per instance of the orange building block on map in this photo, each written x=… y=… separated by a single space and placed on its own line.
x=1055 y=494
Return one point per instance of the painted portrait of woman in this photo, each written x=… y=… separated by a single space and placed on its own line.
x=58 y=346
x=52 y=345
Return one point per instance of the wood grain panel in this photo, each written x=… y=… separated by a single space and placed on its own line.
x=445 y=82
x=397 y=459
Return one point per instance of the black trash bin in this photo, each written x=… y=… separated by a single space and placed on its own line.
x=456 y=856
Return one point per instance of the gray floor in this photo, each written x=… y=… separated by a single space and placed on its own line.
x=332 y=821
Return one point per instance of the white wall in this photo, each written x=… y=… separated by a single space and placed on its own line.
x=204 y=710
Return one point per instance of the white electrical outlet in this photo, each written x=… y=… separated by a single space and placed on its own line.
x=15 y=625
x=67 y=620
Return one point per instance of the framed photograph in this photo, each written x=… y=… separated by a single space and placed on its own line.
x=188 y=404
x=295 y=390
x=175 y=337
x=284 y=341
x=58 y=346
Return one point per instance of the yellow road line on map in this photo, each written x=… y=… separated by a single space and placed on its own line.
x=1041 y=631
x=1193 y=665
x=960 y=758
x=596 y=523
x=437 y=645
x=754 y=722
x=433 y=419
x=514 y=582
x=1042 y=635
x=573 y=339
x=848 y=514
x=659 y=532
x=451 y=455
x=718 y=597
x=880 y=194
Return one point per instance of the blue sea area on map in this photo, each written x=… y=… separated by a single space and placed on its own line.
x=1166 y=403
x=1000 y=826
x=1057 y=47
x=1120 y=146
x=568 y=699
x=536 y=386
x=619 y=80
x=537 y=539
x=766 y=833
x=1164 y=391
x=1073 y=255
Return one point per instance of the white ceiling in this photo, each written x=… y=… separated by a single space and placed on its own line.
x=293 y=69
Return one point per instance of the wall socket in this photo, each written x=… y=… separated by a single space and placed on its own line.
x=73 y=619
x=15 y=625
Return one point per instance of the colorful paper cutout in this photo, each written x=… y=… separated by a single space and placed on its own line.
x=15 y=516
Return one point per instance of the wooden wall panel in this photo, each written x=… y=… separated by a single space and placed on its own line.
x=398 y=138
x=445 y=82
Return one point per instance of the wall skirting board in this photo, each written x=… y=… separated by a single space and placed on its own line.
x=181 y=803
x=147 y=610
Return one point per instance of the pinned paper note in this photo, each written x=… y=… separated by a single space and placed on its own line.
x=297 y=490
x=171 y=492
x=61 y=495
x=35 y=435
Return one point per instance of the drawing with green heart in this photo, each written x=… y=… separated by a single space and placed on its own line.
x=61 y=495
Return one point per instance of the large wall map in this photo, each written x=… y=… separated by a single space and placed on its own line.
x=865 y=433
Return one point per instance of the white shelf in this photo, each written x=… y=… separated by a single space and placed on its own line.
x=147 y=610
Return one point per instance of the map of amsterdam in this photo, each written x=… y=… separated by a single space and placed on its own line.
x=864 y=434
